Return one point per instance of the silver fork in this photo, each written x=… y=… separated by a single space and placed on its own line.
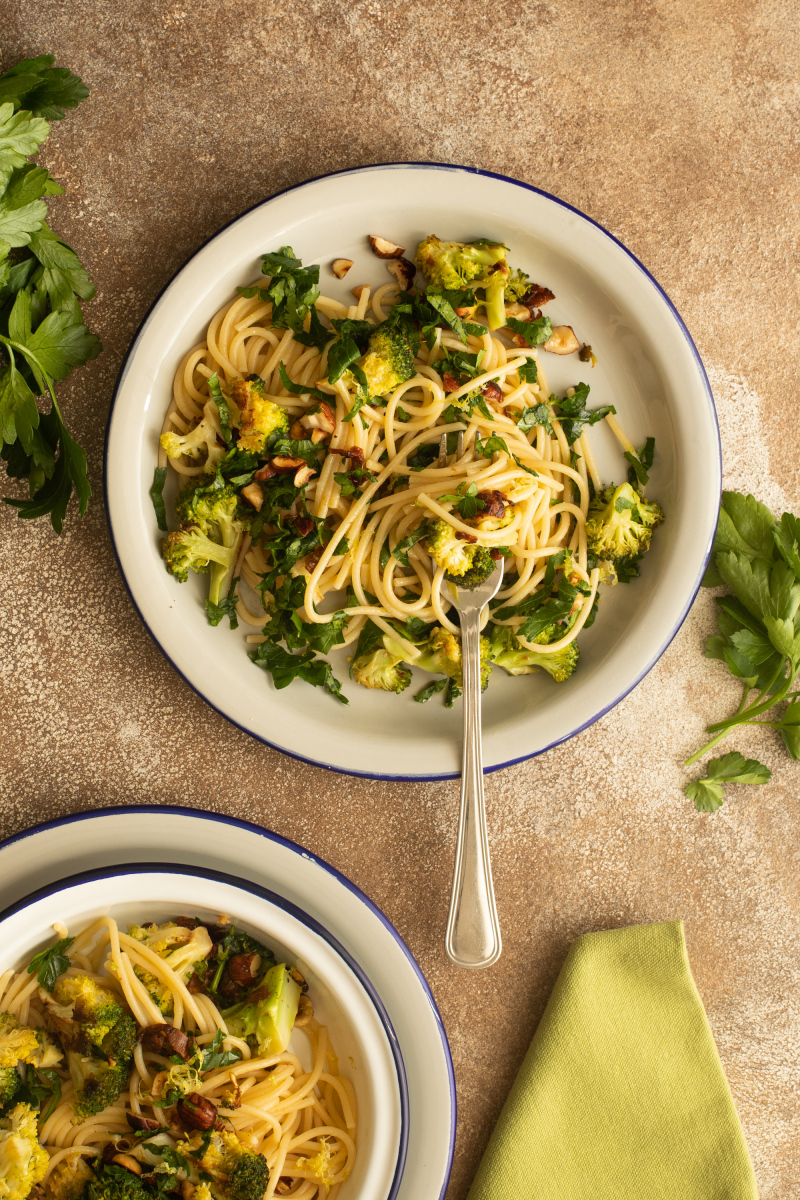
x=473 y=930
x=443 y=456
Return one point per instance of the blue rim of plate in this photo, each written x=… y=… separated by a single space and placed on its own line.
x=528 y=187
x=249 y=885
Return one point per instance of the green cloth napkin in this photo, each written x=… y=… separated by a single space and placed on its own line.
x=621 y=1095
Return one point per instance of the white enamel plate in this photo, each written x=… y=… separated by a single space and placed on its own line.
x=647 y=367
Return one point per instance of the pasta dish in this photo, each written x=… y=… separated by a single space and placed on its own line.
x=342 y=467
x=155 y=1062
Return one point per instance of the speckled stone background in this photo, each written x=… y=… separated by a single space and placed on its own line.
x=673 y=125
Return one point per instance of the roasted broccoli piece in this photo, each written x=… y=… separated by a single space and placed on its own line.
x=200 y=442
x=182 y=950
x=23 y=1161
x=465 y=563
x=100 y=1080
x=68 y=1179
x=381 y=669
x=509 y=653
x=441 y=655
x=190 y=549
x=619 y=527
x=111 y=1182
x=266 y=1018
x=21 y=1043
x=261 y=421
x=236 y=1172
x=98 y=1036
x=10 y=1083
x=213 y=510
x=479 y=264
x=388 y=362
x=81 y=1011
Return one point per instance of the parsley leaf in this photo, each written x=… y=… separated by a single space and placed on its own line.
x=215 y=1057
x=573 y=413
x=402 y=548
x=466 y=501
x=225 y=608
x=286 y=667
x=534 y=415
x=641 y=463
x=302 y=389
x=431 y=689
x=156 y=494
x=292 y=288
x=51 y=963
x=534 y=332
x=218 y=396
x=708 y=793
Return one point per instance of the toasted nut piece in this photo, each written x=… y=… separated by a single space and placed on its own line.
x=355 y=453
x=303 y=475
x=296 y=432
x=157 y=1086
x=303 y=525
x=364 y=287
x=450 y=382
x=166 y=1039
x=186 y=922
x=243 y=968
x=187 y=1189
x=324 y=419
x=519 y=311
x=305 y=1011
x=403 y=271
x=197 y=1112
x=130 y=1164
x=340 y=267
x=262 y=474
x=520 y=341
x=254 y=494
x=318 y=435
x=492 y=391
x=536 y=296
x=141 y=1124
x=466 y=312
x=310 y=562
x=298 y=978
x=562 y=340
x=285 y=464
x=493 y=504
x=384 y=248
x=465 y=537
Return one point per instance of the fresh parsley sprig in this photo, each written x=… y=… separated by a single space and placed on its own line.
x=50 y=964
x=42 y=333
x=708 y=793
x=758 y=558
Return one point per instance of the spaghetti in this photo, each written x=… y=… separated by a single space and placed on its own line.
x=300 y=1118
x=471 y=443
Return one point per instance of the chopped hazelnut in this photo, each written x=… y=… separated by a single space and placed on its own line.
x=562 y=340
x=384 y=248
x=403 y=271
x=340 y=267
x=254 y=494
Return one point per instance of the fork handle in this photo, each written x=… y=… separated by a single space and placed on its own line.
x=473 y=931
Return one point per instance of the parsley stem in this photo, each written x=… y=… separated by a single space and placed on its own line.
x=745 y=715
x=31 y=357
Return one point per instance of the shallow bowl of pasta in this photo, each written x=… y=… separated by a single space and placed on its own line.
x=331 y=414
x=198 y=1033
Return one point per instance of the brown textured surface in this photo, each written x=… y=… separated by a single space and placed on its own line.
x=673 y=126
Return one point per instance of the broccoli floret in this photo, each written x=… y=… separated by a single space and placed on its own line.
x=381 y=669
x=465 y=563
x=479 y=264
x=68 y=1179
x=441 y=655
x=213 y=508
x=82 y=1011
x=17 y=1041
x=100 y=1079
x=10 y=1083
x=190 y=549
x=261 y=420
x=181 y=949
x=236 y=1172
x=23 y=1161
x=21 y=1044
x=619 y=527
x=266 y=1018
x=200 y=442
x=110 y=1182
x=388 y=362
x=98 y=1036
x=509 y=653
